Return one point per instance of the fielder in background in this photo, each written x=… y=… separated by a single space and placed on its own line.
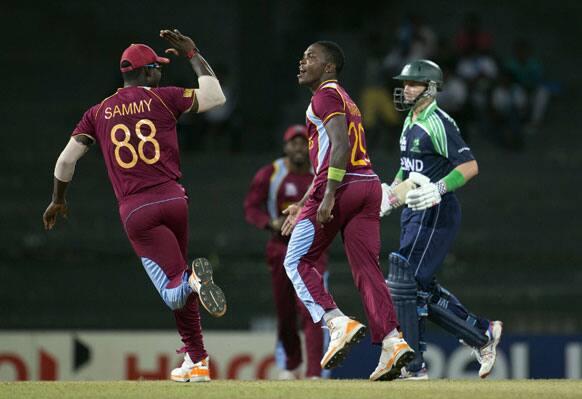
x=135 y=129
x=437 y=160
x=275 y=187
x=344 y=197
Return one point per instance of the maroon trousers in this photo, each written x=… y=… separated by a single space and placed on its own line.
x=156 y=223
x=356 y=217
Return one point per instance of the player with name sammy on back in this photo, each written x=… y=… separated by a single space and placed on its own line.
x=135 y=129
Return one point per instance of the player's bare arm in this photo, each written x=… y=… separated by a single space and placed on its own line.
x=468 y=169
x=209 y=94
x=64 y=170
x=340 y=146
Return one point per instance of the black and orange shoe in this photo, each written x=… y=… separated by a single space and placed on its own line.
x=210 y=294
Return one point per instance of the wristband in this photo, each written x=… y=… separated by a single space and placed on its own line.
x=335 y=174
x=442 y=187
x=399 y=175
x=192 y=53
x=453 y=180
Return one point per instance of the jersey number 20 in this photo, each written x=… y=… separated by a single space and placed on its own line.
x=140 y=147
x=358 y=145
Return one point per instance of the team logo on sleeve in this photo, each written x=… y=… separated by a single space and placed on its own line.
x=187 y=93
x=403 y=143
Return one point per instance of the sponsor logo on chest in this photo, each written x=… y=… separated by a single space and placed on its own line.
x=290 y=190
x=415 y=146
x=411 y=165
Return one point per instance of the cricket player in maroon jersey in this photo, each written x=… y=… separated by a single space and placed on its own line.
x=135 y=129
x=275 y=187
x=345 y=197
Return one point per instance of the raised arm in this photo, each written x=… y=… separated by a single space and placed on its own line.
x=209 y=94
x=64 y=171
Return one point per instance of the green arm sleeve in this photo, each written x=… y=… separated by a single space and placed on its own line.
x=399 y=175
x=454 y=180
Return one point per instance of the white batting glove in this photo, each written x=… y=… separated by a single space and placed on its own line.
x=418 y=178
x=423 y=197
x=385 y=205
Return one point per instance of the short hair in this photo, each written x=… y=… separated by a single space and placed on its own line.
x=132 y=75
x=334 y=53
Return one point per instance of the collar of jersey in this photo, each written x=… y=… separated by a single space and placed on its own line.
x=324 y=82
x=428 y=111
x=133 y=87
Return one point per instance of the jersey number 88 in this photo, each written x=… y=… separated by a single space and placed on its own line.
x=140 y=148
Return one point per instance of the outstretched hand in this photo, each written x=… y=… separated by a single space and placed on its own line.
x=181 y=44
x=385 y=205
x=49 y=217
x=292 y=212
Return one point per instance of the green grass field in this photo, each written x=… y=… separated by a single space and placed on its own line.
x=347 y=389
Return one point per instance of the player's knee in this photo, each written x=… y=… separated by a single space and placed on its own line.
x=399 y=270
x=400 y=279
x=397 y=261
x=292 y=261
x=287 y=263
x=174 y=305
x=174 y=301
x=424 y=283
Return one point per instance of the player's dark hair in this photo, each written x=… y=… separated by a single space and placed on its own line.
x=334 y=53
x=130 y=76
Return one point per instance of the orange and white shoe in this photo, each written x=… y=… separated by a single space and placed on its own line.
x=210 y=294
x=396 y=353
x=192 y=372
x=343 y=332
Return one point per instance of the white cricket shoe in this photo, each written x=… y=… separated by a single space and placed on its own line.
x=210 y=295
x=286 y=375
x=419 y=375
x=343 y=332
x=396 y=353
x=192 y=372
x=487 y=354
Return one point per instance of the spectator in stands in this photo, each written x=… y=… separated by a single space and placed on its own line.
x=527 y=70
x=508 y=108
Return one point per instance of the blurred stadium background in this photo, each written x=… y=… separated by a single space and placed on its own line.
x=517 y=256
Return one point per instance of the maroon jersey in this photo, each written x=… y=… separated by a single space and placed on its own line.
x=272 y=190
x=136 y=131
x=331 y=99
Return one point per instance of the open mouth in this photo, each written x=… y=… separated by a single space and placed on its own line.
x=301 y=72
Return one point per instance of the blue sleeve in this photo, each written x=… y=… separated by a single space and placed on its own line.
x=458 y=151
